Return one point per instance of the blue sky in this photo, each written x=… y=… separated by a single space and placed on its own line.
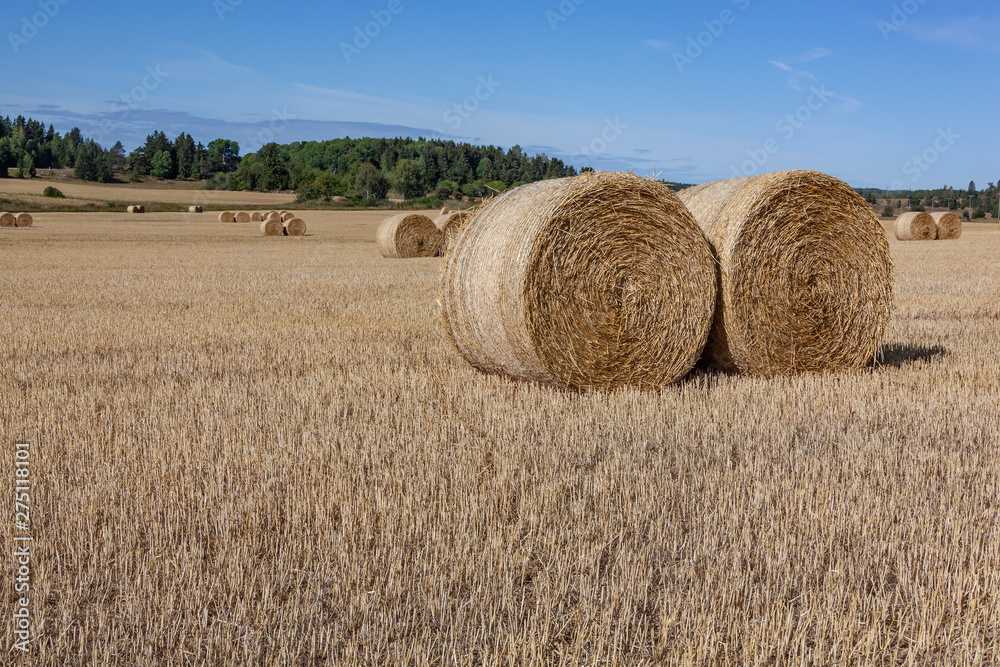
x=894 y=94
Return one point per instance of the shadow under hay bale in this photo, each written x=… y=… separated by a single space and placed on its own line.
x=805 y=273
x=597 y=281
x=898 y=355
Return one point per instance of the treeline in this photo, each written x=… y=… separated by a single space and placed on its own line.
x=980 y=202
x=369 y=168
x=26 y=144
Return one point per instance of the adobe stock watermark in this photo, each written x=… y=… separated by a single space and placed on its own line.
x=277 y=125
x=363 y=37
x=223 y=7
x=22 y=547
x=901 y=15
x=562 y=13
x=129 y=101
x=787 y=127
x=922 y=162
x=612 y=132
x=714 y=28
x=459 y=113
x=37 y=21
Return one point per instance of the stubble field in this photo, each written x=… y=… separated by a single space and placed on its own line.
x=251 y=450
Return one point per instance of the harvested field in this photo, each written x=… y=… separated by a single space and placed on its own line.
x=231 y=468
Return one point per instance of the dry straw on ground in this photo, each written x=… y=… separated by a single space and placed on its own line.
x=194 y=209
x=7 y=219
x=271 y=227
x=227 y=216
x=451 y=225
x=407 y=235
x=949 y=225
x=294 y=227
x=242 y=216
x=598 y=281
x=916 y=226
x=24 y=220
x=805 y=273
x=256 y=216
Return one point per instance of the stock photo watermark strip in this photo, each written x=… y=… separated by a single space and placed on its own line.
x=23 y=540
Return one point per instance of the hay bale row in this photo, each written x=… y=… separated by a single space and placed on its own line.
x=408 y=235
x=596 y=281
x=16 y=220
x=194 y=209
x=137 y=208
x=606 y=280
x=276 y=224
x=805 y=273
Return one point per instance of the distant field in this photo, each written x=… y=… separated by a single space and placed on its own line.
x=253 y=450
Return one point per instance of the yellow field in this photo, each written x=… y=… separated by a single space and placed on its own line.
x=253 y=450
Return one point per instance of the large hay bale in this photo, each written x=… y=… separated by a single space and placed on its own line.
x=226 y=216
x=256 y=216
x=805 y=273
x=596 y=281
x=407 y=235
x=194 y=209
x=949 y=225
x=242 y=216
x=23 y=220
x=294 y=227
x=916 y=226
x=451 y=225
x=271 y=227
x=8 y=219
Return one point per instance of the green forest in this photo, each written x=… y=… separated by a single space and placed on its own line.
x=361 y=170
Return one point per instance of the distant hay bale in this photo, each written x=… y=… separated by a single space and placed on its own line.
x=949 y=225
x=23 y=220
x=194 y=209
x=242 y=216
x=271 y=227
x=256 y=216
x=226 y=216
x=805 y=273
x=338 y=199
x=282 y=214
x=596 y=281
x=294 y=227
x=140 y=209
x=132 y=209
x=445 y=211
x=408 y=235
x=451 y=225
x=8 y=220
x=916 y=226
x=272 y=214
x=286 y=216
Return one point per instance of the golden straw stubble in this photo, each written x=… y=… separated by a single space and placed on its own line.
x=949 y=225
x=596 y=281
x=805 y=273
x=916 y=226
x=408 y=235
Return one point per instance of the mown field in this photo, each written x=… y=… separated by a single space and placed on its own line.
x=251 y=450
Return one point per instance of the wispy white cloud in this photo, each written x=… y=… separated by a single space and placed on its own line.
x=801 y=80
x=814 y=53
x=971 y=33
x=660 y=45
x=781 y=65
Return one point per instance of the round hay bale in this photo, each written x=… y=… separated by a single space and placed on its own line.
x=286 y=216
x=242 y=216
x=194 y=209
x=282 y=214
x=949 y=225
x=916 y=226
x=140 y=209
x=451 y=225
x=595 y=281
x=294 y=227
x=407 y=235
x=271 y=227
x=8 y=219
x=131 y=209
x=226 y=216
x=256 y=216
x=273 y=214
x=23 y=220
x=805 y=273
x=445 y=211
